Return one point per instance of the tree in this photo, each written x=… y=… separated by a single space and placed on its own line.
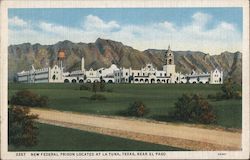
x=95 y=87
x=102 y=84
x=193 y=108
x=137 y=109
x=28 y=98
x=21 y=128
x=228 y=89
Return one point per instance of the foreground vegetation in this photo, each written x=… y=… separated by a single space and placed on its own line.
x=21 y=128
x=54 y=138
x=159 y=99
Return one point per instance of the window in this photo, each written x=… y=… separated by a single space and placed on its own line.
x=126 y=73
x=138 y=74
x=170 y=61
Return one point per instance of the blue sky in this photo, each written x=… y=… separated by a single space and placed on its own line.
x=212 y=30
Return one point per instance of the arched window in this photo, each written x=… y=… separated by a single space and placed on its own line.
x=66 y=81
x=170 y=61
x=73 y=81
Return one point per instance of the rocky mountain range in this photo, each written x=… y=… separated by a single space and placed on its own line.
x=103 y=53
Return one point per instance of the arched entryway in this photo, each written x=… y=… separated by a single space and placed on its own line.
x=66 y=81
x=152 y=80
x=168 y=81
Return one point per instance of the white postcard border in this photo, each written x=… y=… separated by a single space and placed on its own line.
x=5 y=4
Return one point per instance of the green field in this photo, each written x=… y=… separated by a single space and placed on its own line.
x=54 y=138
x=159 y=98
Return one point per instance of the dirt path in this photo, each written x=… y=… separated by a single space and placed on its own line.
x=187 y=137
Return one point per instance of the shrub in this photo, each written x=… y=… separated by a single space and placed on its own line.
x=43 y=101
x=229 y=89
x=102 y=86
x=238 y=95
x=95 y=87
x=137 y=109
x=193 y=108
x=97 y=97
x=28 y=98
x=21 y=128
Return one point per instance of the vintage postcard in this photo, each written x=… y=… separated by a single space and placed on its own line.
x=113 y=79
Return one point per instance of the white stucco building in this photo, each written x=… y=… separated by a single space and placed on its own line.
x=113 y=74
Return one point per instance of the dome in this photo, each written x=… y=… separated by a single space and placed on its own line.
x=61 y=54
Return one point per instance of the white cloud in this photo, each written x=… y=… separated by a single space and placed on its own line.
x=168 y=26
x=227 y=26
x=95 y=23
x=193 y=36
x=201 y=19
x=16 y=21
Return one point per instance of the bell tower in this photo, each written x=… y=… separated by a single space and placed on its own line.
x=169 y=66
x=169 y=57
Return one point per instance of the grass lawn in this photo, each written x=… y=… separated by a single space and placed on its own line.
x=159 y=98
x=54 y=138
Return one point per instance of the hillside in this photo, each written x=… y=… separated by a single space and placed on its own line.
x=103 y=53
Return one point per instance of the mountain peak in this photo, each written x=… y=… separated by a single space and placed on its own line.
x=102 y=40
